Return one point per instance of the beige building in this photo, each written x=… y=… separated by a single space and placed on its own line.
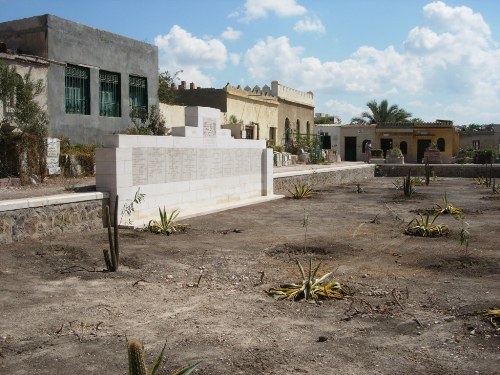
x=487 y=136
x=275 y=113
x=295 y=113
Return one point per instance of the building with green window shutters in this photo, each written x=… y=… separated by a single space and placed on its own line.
x=95 y=79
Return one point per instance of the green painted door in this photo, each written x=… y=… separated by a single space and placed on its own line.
x=350 y=149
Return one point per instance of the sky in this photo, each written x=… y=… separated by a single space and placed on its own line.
x=435 y=59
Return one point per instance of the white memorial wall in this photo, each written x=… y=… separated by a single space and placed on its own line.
x=198 y=169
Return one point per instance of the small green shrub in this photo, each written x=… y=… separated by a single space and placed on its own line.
x=377 y=152
x=83 y=155
x=484 y=156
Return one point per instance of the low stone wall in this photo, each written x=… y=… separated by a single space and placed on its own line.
x=440 y=170
x=324 y=176
x=44 y=216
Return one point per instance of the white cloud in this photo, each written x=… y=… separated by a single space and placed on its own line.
x=346 y=111
x=180 y=50
x=235 y=58
x=309 y=25
x=231 y=34
x=282 y=8
x=450 y=55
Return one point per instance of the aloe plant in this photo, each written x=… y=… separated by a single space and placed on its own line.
x=448 y=208
x=310 y=287
x=137 y=364
x=301 y=191
x=425 y=227
x=166 y=224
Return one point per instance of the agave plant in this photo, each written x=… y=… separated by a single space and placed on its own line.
x=166 y=224
x=425 y=227
x=481 y=180
x=494 y=317
x=448 y=208
x=310 y=288
x=137 y=364
x=301 y=191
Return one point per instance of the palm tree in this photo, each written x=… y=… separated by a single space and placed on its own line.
x=381 y=114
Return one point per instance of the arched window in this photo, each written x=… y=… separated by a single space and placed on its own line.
x=440 y=144
x=403 y=146
x=298 y=130
x=287 y=131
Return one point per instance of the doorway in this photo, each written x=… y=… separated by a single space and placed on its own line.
x=422 y=145
x=385 y=144
x=350 y=149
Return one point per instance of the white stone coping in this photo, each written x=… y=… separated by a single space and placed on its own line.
x=186 y=214
x=320 y=170
x=23 y=203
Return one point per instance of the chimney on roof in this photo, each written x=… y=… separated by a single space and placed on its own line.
x=182 y=86
x=192 y=86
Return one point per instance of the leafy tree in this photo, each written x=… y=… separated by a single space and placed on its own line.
x=382 y=113
x=24 y=125
x=166 y=89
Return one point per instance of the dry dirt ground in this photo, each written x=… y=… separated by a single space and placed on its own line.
x=414 y=307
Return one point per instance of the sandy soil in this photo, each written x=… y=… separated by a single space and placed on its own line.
x=413 y=309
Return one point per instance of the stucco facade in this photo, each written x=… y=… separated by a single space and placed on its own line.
x=295 y=112
x=486 y=137
x=251 y=114
x=414 y=138
x=258 y=113
x=63 y=43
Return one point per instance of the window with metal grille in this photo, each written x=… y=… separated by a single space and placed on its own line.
x=77 y=89
x=138 y=96
x=109 y=94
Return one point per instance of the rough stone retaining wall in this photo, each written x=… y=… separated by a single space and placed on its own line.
x=326 y=176
x=440 y=170
x=44 y=216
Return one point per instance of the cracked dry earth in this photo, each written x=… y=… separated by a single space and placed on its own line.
x=414 y=307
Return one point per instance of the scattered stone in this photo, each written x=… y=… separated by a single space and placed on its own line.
x=322 y=338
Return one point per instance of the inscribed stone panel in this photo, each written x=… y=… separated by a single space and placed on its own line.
x=216 y=169
x=189 y=164
x=176 y=167
x=169 y=176
x=139 y=166
x=204 y=163
x=209 y=127
x=156 y=165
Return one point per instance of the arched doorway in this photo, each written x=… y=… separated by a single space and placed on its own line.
x=287 y=131
x=403 y=146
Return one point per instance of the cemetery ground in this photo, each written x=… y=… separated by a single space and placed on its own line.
x=415 y=307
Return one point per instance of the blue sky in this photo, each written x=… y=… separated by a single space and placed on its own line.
x=436 y=59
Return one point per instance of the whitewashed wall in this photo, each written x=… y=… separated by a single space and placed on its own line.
x=198 y=169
